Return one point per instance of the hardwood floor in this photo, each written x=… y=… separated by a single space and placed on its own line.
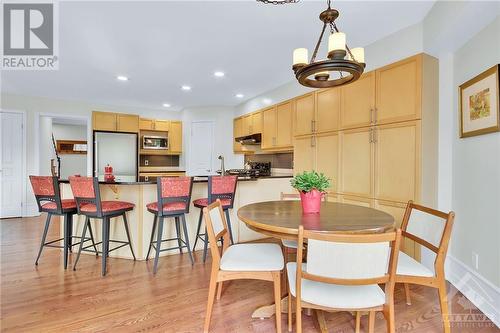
x=130 y=299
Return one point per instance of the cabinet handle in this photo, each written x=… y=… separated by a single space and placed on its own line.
x=375 y=116
x=312 y=126
x=375 y=135
x=313 y=141
x=371 y=116
x=370 y=138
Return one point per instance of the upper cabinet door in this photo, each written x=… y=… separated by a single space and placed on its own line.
x=397 y=157
x=104 y=121
x=303 y=154
x=357 y=155
x=162 y=125
x=284 y=115
x=327 y=158
x=247 y=125
x=175 y=137
x=304 y=114
x=127 y=123
x=358 y=102
x=146 y=124
x=399 y=91
x=256 y=123
x=269 y=128
x=327 y=110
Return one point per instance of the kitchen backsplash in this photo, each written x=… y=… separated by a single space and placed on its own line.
x=159 y=160
x=278 y=160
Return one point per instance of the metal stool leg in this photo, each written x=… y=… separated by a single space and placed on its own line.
x=67 y=236
x=105 y=244
x=177 y=229
x=152 y=235
x=87 y=221
x=229 y=226
x=183 y=217
x=70 y=232
x=158 y=244
x=125 y=222
x=81 y=243
x=47 y=224
x=205 y=246
x=198 y=229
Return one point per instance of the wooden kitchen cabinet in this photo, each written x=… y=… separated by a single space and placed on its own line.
x=175 y=137
x=103 y=121
x=127 y=123
x=246 y=125
x=154 y=125
x=399 y=91
x=256 y=123
x=284 y=125
x=146 y=124
x=327 y=110
x=304 y=114
x=357 y=155
x=327 y=158
x=397 y=157
x=358 y=102
x=304 y=154
x=162 y=125
x=269 y=128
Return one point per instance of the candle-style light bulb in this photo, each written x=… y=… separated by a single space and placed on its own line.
x=300 y=57
x=358 y=54
x=336 y=41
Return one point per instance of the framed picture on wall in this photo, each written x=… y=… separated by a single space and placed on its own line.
x=479 y=104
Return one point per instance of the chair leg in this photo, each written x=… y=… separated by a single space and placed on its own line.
x=277 y=298
x=211 y=299
x=184 y=227
x=105 y=244
x=87 y=221
x=70 y=232
x=389 y=318
x=205 y=246
x=81 y=243
x=125 y=222
x=66 y=239
x=289 y=311
x=198 y=229
x=443 y=301
x=219 y=290
x=358 y=321
x=155 y=220
x=158 y=244
x=178 y=231
x=298 y=315
x=45 y=231
x=371 y=322
x=229 y=228
x=407 y=293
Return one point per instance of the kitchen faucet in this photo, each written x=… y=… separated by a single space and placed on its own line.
x=222 y=169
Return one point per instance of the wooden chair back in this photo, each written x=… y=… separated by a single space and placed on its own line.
x=174 y=190
x=215 y=221
x=349 y=259
x=430 y=228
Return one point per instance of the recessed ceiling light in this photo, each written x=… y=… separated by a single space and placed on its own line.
x=218 y=74
x=239 y=95
x=122 y=78
x=267 y=101
x=186 y=88
x=166 y=105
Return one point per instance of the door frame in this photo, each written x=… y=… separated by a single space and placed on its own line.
x=24 y=196
x=212 y=145
x=36 y=141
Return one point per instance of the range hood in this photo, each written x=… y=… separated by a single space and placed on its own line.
x=254 y=139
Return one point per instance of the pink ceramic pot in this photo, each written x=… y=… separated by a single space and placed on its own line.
x=311 y=201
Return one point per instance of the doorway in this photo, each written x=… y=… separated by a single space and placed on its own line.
x=201 y=148
x=13 y=166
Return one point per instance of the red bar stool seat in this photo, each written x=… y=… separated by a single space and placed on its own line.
x=88 y=202
x=48 y=198
x=167 y=207
x=224 y=189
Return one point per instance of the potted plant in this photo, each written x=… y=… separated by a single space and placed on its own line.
x=312 y=186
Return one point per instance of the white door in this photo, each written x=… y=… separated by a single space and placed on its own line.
x=11 y=175
x=201 y=149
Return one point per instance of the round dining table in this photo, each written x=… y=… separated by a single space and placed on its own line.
x=281 y=219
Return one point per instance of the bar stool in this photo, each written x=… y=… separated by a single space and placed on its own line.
x=48 y=199
x=88 y=203
x=219 y=187
x=174 y=196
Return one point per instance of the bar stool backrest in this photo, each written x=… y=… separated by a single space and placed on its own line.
x=86 y=191
x=46 y=189
x=174 y=190
x=222 y=187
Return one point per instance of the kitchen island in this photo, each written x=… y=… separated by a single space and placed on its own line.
x=248 y=190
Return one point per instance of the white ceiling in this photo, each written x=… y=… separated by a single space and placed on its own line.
x=163 y=45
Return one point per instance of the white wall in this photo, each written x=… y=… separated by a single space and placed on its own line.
x=71 y=164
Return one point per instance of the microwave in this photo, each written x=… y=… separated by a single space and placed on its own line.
x=155 y=142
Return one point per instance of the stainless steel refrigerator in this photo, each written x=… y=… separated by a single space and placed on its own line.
x=119 y=150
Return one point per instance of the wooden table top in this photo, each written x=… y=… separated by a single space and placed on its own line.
x=281 y=219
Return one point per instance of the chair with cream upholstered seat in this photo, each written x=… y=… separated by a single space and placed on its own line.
x=259 y=261
x=343 y=272
x=430 y=228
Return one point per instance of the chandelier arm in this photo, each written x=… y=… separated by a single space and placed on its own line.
x=313 y=58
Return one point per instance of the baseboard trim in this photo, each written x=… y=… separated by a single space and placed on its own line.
x=481 y=292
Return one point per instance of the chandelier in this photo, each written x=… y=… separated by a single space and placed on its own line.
x=342 y=66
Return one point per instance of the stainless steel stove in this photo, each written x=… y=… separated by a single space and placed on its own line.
x=257 y=169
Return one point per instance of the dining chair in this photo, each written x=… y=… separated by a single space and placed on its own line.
x=259 y=261
x=432 y=229
x=343 y=272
